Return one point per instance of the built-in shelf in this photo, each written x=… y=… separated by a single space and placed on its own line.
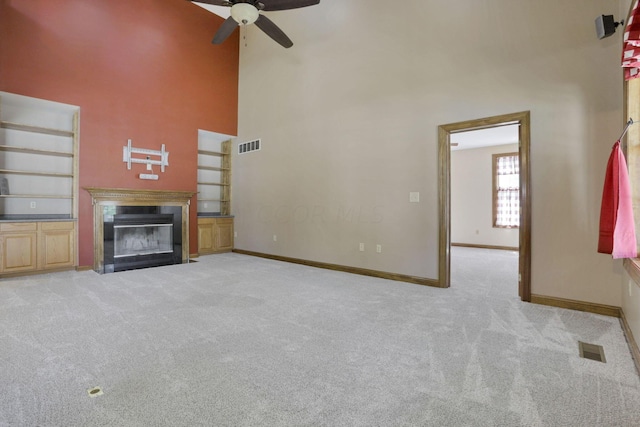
x=214 y=183
x=34 y=196
x=212 y=200
x=212 y=168
x=36 y=129
x=35 y=151
x=40 y=139
x=214 y=175
x=32 y=173
x=211 y=153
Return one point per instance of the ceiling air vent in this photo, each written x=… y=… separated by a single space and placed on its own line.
x=246 y=147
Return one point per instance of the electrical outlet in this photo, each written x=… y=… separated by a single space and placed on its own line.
x=379 y=248
x=361 y=247
x=235 y=234
x=206 y=205
x=32 y=205
x=414 y=197
x=275 y=238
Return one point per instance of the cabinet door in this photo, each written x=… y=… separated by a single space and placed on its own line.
x=224 y=234
x=18 y=251
x=57 y=245
x=205 y=236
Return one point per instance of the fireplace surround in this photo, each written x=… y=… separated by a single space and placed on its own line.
x=139 y=228
x=141 y=237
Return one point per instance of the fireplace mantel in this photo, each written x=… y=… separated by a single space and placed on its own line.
x=125 y=195
x=132 y=197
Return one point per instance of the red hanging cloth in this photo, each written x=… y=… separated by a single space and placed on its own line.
x=617 y=226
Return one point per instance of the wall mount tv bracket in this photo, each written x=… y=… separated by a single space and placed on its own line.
x=127 y=156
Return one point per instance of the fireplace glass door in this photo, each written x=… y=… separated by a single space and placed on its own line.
x=141 y=236
x=142 y=239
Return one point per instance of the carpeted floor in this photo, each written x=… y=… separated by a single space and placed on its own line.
x=234 y=340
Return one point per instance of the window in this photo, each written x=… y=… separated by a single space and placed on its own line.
x=506 y=190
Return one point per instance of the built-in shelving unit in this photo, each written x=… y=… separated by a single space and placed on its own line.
x=38 y=184
x=38 y=156
x=214 y=176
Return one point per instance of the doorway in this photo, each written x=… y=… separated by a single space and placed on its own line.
x=522 y=119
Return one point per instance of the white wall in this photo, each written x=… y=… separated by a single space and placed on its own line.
x=631 y=305
x=472 y=198
x=348 y=119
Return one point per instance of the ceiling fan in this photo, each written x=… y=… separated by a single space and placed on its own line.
x=246 y=12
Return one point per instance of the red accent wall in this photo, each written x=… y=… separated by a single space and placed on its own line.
x=139 y=69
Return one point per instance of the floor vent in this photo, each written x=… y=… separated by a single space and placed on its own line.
x=96 y=391
x=592 y=351
x=249 y=146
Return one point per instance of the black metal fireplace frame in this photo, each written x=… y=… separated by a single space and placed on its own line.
x=141 y=215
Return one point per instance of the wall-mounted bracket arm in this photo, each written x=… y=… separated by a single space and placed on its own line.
x=128 y=151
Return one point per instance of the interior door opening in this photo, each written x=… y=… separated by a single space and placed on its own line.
x=521 y=122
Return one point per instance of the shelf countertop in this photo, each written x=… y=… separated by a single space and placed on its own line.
x=35 y=218
x=213 y=215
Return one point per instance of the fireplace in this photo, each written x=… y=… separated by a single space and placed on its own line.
x=139 y=228
x=144 y=236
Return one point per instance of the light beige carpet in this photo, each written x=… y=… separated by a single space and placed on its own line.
x=240 y=341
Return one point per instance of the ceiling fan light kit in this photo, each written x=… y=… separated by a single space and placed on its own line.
x=246 y=12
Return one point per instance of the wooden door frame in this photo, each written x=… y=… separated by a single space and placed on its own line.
x=444 y=200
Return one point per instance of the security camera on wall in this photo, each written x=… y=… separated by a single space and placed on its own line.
x=606 y=25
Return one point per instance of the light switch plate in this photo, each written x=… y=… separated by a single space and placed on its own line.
x=414 y=197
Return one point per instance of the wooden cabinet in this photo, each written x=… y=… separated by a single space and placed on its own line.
x=215 y=235
x=35 y=246
x=224 y=233
x=56 y=246
x=206 y=235
x=19 y=247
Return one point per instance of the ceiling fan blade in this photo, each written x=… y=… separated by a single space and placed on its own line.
x=272 y=30
x=225 y=30
x=270 y=5
x=214 y=2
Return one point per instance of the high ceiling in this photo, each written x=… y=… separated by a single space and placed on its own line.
x=218 y=10
x=468 y=140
